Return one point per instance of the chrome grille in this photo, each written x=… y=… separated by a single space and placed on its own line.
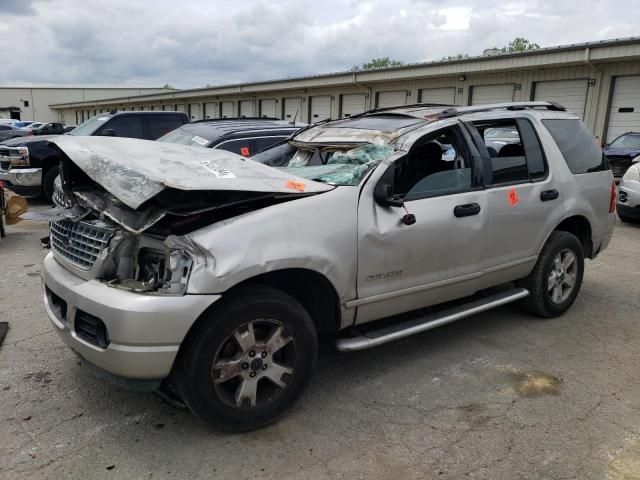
x=79 y=243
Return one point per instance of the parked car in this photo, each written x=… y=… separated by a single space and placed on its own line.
x=35 y=124
x=68 y=128
x=214 y=275
x=621 y=151
x=628 y=204
x=30 y=165
x=244 y=136
x=52 y=128
x=23 y=123
x=8 y=131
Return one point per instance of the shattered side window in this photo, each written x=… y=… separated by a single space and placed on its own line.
x=337 y=167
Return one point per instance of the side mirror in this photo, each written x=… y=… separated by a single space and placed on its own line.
x=108 y=132
x=383 y=191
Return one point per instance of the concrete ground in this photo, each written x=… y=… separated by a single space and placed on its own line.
x=498 y=396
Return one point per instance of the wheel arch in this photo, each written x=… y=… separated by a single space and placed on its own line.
x=579 y=226
x=311 y=289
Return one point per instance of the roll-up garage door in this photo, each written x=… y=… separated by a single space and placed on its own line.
x=195 y=111
x=247 y=108
x=268 y=108
x=211 y=110
x=483 y=94
x=227 y=109
x=624 y=113
x=352 y=104
x=292 y=109
x=391 y=99
x=442 y=96
x=320 y=108
x=572 y=94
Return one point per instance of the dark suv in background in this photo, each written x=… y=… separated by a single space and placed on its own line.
x=621 y=152
x=244 y=136
x=29 y=165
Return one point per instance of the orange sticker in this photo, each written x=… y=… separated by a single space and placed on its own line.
x=292 y=184
x=244 y=151
x=512 y=197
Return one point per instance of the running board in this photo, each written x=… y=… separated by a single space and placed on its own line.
x=427 y=322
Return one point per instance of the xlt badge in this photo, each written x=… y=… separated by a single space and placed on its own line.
x=380 y=276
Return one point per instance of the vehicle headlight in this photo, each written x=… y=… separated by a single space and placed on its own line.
x=22 y=160
x=632 y=174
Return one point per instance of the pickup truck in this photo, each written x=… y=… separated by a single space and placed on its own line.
x=29 y=165
x=213 y=274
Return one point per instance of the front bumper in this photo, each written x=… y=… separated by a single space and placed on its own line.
x=628 y=203
x=145 y=331
x=23 y=181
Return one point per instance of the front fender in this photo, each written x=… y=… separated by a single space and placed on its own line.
x=316 y=233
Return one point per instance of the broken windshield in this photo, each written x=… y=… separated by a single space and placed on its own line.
x=334 y=166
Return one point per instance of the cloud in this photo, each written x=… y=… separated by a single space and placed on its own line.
x=190 y=44
x=16 y=7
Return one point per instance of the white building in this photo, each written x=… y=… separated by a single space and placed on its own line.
x=33 y=103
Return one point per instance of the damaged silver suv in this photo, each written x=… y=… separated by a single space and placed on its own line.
x=215 y=274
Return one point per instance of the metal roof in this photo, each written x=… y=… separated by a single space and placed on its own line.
x=448 y=67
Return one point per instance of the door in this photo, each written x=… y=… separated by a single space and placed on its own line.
x=624 y=112
x=437 y=258
x=439 y=96
x=195 y=111
x=320 y=108
x=391 y=99
x=247 y=108
x=211 y=110
x=572 y=94
x=352 y=104
x=181 y=107
x=268 y=108
x=522 y=198
x=292 y=109
x=226 y=109
x=484 y=94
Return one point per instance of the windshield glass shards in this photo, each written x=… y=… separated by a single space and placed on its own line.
x=335 y=166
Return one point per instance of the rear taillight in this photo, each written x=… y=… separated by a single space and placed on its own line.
x=612 y=200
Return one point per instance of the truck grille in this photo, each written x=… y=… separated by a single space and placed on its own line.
x=79 y=243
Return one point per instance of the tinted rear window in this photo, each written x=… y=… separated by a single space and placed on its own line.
x=577 y=144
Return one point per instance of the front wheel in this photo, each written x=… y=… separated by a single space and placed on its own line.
x=554 y=282
x=48 y=182
x=248 y=360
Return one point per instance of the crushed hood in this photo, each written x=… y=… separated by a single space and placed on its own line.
x=135 y=171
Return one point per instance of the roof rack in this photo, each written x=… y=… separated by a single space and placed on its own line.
x=456 y=111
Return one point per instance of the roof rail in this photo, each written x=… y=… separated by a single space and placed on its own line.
x=456 y=111
x=223 y=119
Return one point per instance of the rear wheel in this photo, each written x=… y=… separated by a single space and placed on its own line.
x=249 y=360
x=554 y=282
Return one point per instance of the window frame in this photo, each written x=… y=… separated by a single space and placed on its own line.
x=488 y=166
x=472 y=155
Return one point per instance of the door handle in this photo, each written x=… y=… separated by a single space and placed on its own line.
x=466 y=210
x=549 y=195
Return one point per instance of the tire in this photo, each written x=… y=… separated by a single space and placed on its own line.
x=216 y=394
x=48 y=180
x=544 y=299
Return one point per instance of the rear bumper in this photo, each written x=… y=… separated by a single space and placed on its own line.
x=145 y=331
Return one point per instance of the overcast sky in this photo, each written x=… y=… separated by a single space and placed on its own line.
x=197 y=42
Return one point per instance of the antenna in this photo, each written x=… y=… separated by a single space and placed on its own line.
x=293 y=122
